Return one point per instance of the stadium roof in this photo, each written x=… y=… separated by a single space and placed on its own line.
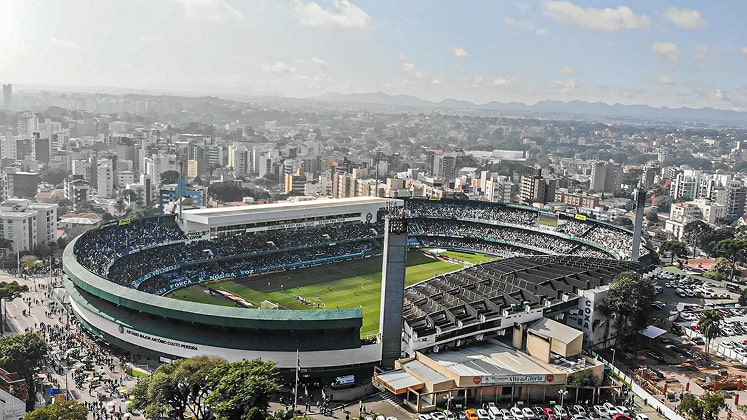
x=203 y=219
x=504 y=288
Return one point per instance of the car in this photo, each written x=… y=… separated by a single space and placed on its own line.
x=461 y=416
x=580 y=409
x=424 y=417
x=494 y=413
x=623 y=410
x=391 y=418
x=528 y=413
x=579 y=417
x=482 y=414
x=471 y=414
x=438 y=416
x=516 y=412
x=621 y=416
x=641 y=416
x=699 y=341
x=611 y=408
x=561 y=412
x=601 y=410
x=449 y=415
x=549 y=413
x=506 y=415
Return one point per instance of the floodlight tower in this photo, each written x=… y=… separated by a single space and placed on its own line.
x=640 y=200
x=393 y=285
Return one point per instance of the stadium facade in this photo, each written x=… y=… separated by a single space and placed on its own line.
x=116 y=276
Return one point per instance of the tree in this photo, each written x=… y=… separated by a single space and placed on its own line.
x=709 y=325
x=226 y=191
x=623 y=221
x=674 y=247
x=705 y=407
x=733 y=249
x=722 y=269
x=709 y=240
x=8 y=292
x=652 y=215
x=68 y=410
x=169 y=177
x=53 y=176
x=586 y=378
x=693 y=231
x=180 y=388
x=30 y=262
x=24 y=354
x=628 y=301
x=241 y=387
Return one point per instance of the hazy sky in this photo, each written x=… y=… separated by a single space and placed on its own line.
x=675 y=53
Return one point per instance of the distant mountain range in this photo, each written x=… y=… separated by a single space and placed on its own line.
x=581 y=108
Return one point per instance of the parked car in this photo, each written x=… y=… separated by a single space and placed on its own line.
x=471 y=414
x=528 y=413
x=482 y=414
x=516 y=412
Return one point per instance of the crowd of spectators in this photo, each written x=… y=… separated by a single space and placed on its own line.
x=574 y=227
x=491 y=248
x=112 y=251
x=276 y=260
x=615 y=240
x=476 y=210
x=524 y=238
x=98 y=248
x=130 y=268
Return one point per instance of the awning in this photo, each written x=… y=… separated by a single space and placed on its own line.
x=398 y=381
x=653 y=332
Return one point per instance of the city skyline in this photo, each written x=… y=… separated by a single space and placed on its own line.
x=662 y=54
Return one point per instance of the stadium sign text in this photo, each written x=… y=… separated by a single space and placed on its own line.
x=512 y=379
x=160 y=340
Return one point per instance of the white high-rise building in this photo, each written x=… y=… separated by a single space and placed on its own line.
x=27 y=225
x=83 y=168
x=28 y=124
x=105 y=179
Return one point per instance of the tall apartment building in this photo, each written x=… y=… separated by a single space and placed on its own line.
x=719 y=188
x=238 y=158
x=27 y=125
x=342 y=185
x=444 y=165
x=498 y=189
x=295 y=184
x=18 y=184
x=27 y=225
x=537 y=189
x=605 y=177
x=7 y=95
x=105 y=180
x=76 y=190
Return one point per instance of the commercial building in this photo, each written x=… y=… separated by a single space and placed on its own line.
x=541 y=359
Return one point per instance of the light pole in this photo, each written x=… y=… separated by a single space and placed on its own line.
x=563 y=394
x=612 y=349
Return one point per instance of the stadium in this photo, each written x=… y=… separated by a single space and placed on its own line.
x=118 y=276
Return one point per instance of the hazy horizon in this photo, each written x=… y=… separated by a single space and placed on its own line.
x=660 y=54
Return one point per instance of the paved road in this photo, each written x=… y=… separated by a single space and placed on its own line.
x=41 y=309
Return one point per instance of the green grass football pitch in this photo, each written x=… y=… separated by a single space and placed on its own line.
x=342 y=285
